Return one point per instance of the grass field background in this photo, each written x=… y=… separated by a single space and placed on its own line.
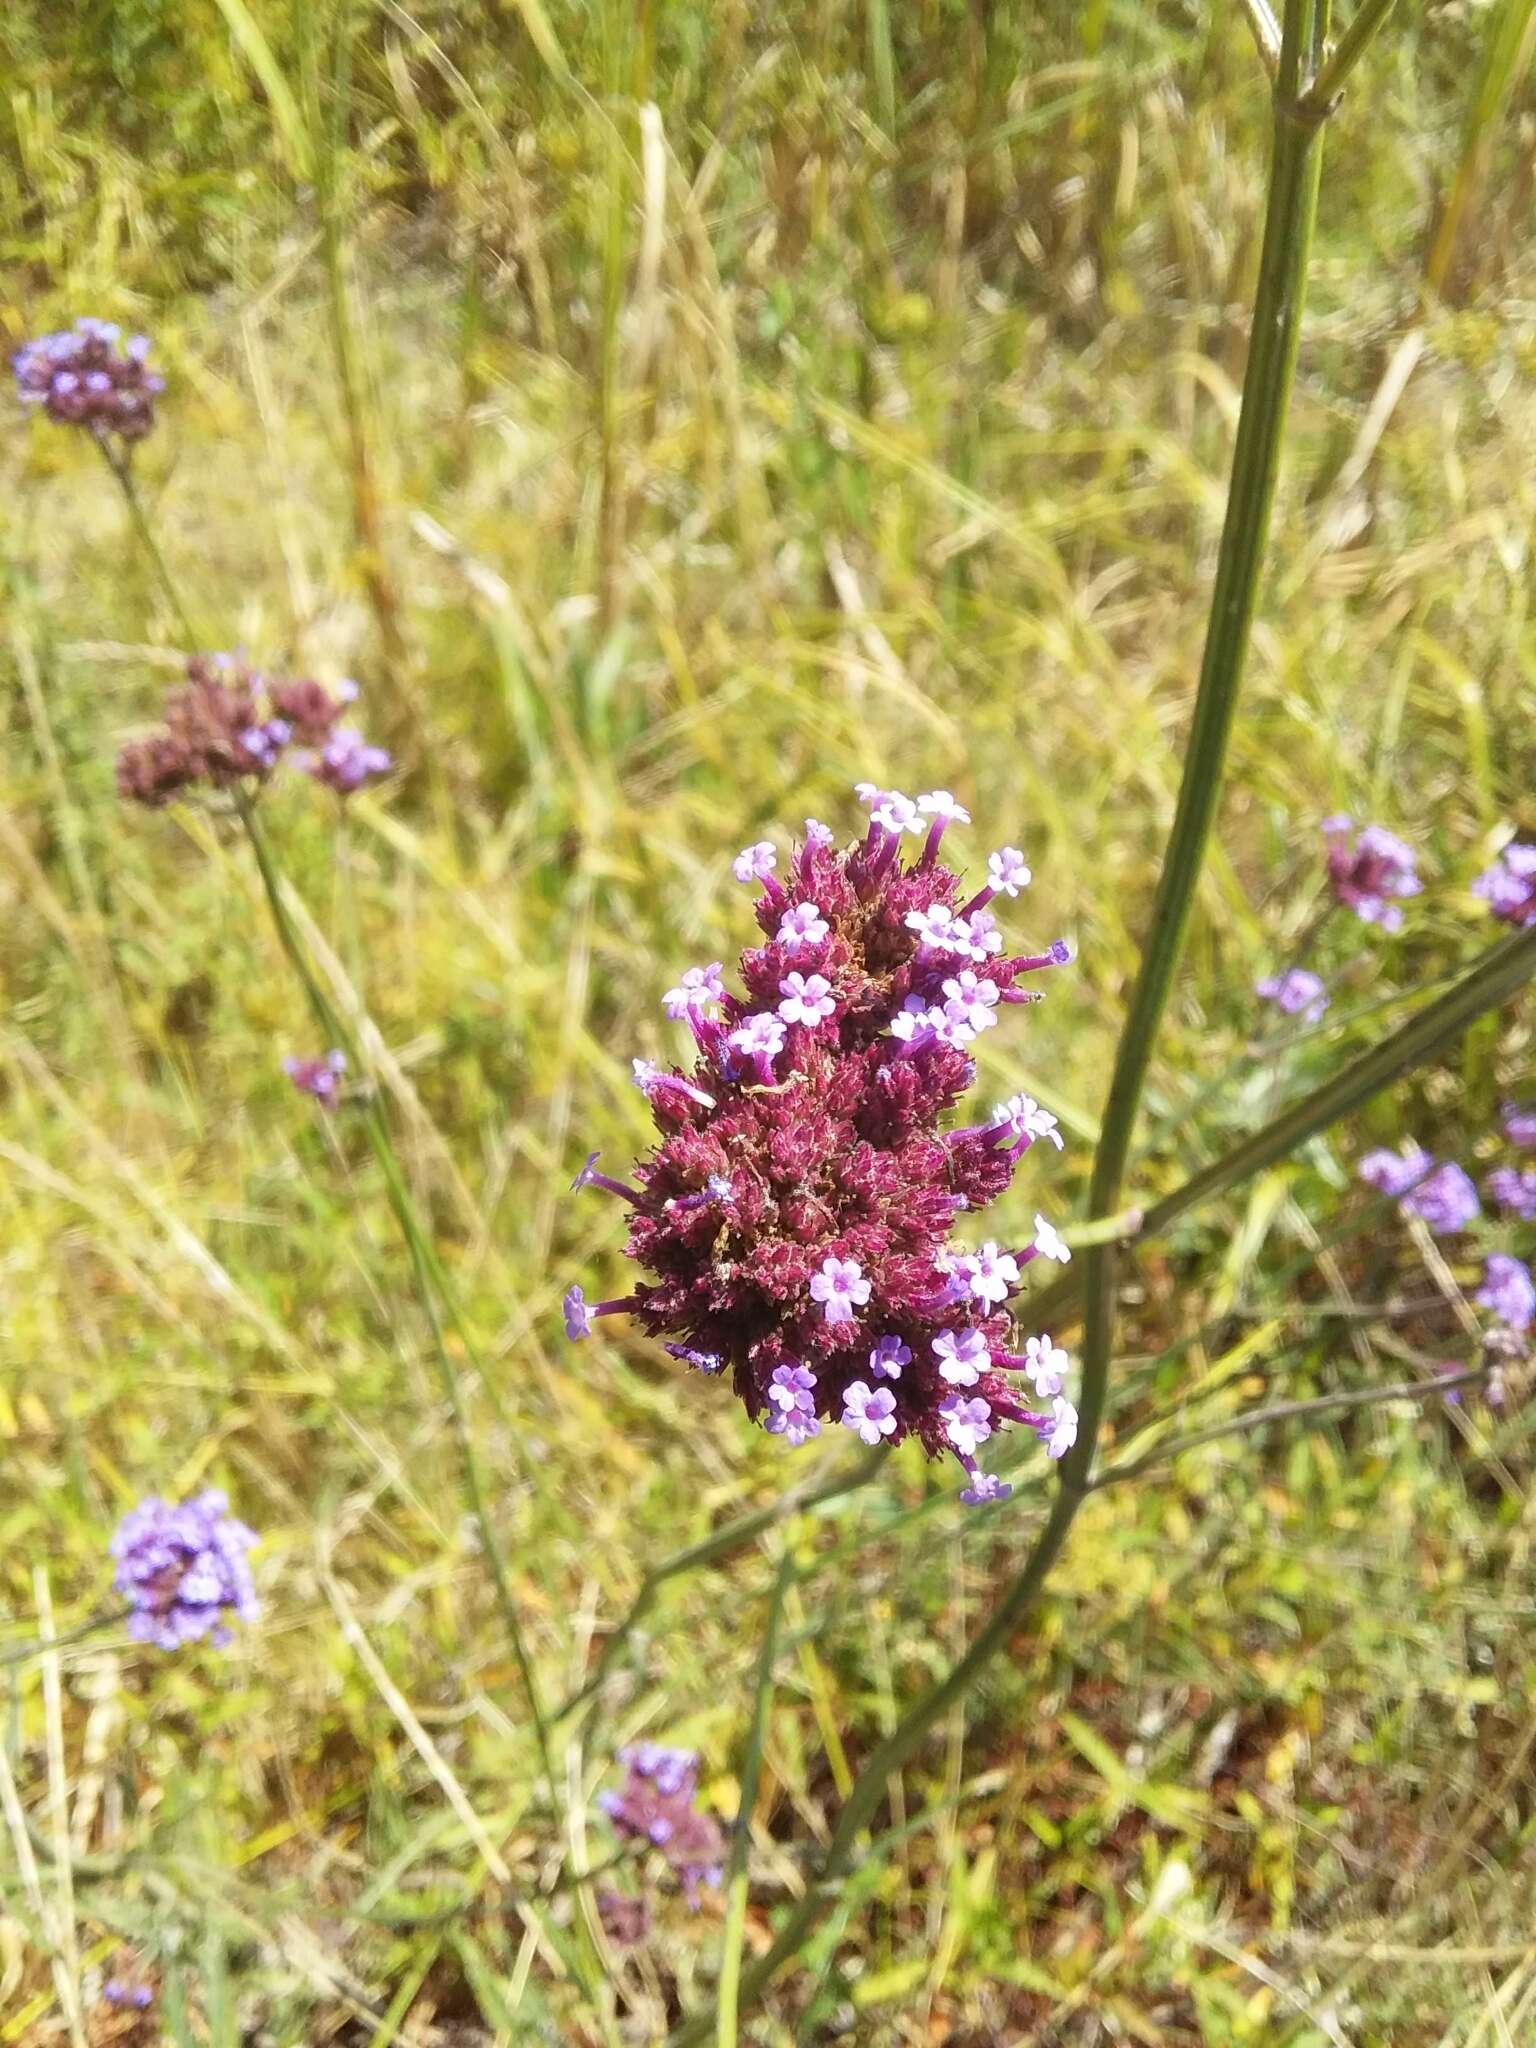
x=672 y=415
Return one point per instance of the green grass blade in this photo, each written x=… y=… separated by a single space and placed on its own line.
x=751 y=1766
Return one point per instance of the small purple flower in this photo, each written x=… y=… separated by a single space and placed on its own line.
x=1296 y=992
x=889 y=810
x=320 y=1078
x=840 y=1287
x=1509 y=886
x=1365 y=874
x=942 y=808
x=347 y=763
x=1514 y=1191
x=984 y=1488
x=818 y=836
x=655 y=1806
x=807 y=999
x=803 y=925
x=132 y=1997
x=1007 y=871
x=977 y=935
x=183 y=1570
x=1446 y=1200
x=971 y=1002
x=79 y=380
x=1058 y=1431
x=755 y=863
x=1045 y=1366
x=578 y=1317
x=869 y=1411
x=967 y=1423
x=761 y=1040
x=887 y=1358
x=934 y=926
x=1394 y=1173
x=790 y=1386
x=963 y=1356
x=1022 y=1117
x=700 y=990
x=990 y=1274
x=1520 y=1124
x=652 y=1081
x=1508 y=1291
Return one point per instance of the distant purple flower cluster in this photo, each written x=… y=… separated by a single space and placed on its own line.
x=230 y=725
x=320 y=1078
x=655 y=1805
x=1369 y=870
x=797 y=1211
x=1296 y=992
x=129 y=1997
x=1441 y=1194
x=1509 y=886
x=79 y=379
x=183 y=1570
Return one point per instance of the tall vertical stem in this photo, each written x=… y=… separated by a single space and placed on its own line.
x=1267 y=386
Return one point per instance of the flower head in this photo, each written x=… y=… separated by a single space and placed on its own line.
x=1519 y=1122
x=126 y=1996
x=1514 y=1191
x=1394 y=1173
x=229 y=726
x=1442 y=1196
x=828 y=1284
x=655 y=1805
x=1508 y=1291
x=183 y=1570
x=1509 y=886
x=1296 y=992
x=79 y=379
x=1366 y=872
x=320 y=1078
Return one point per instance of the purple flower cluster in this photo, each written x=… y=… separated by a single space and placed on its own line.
x=655 y=1805
x=183 y=1570
x=796 y=1214
x=1440 y=1193
x=1508 y=1291
x=229 y=725
x=1297 y=992
x=1368 y=869
x=320 y=1078
x=130 y=1997
x=1509 y=886
x=1513 y=1191
x=79 y=379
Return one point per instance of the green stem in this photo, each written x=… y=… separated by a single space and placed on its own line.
x=1267 y=384
x=119 y=466
x=741 y=1839
x=1325 y=88
x=427 y=1269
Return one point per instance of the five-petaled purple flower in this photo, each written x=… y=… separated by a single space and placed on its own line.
x=1297 y=992
x=655 y=1805
x=1366 y=872
x=755 y=863
x=1509 y=886
x=1442 y=1195
x=1508 y=1290
x=183 y=1570
x=320 y=1078
x=829 y=1284
x=80 y=380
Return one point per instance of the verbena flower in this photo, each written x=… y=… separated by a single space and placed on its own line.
x=1442 y=1195
x=1509 y=886
x=655 y=1805
x=320 y=1078
x=184 y=1571
x=132 y=1997
x=1519 y=1121
x=1297 y=992
x=80 y=380
x=1508 y=1290
x=827 y=1281
x=229 y=726
x=1513 y=1190
x=1369 y=869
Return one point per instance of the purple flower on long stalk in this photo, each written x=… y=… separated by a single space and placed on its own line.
x=655 y=1805
x=1442 y=1194
x=184 y=1570
x=828 y=1283
x=320 y=1078
x=1509 y=886
x=228 y=726
x=1297 y=992
x=1369 y=870
x=78 y=378
x=1508 y=1291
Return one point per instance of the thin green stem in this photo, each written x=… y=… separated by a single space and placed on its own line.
x=1368 y=23
x=1292 y=206
x=425 y=1267
x=1266 y=32
x=122 y=471
x=741 y=1839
